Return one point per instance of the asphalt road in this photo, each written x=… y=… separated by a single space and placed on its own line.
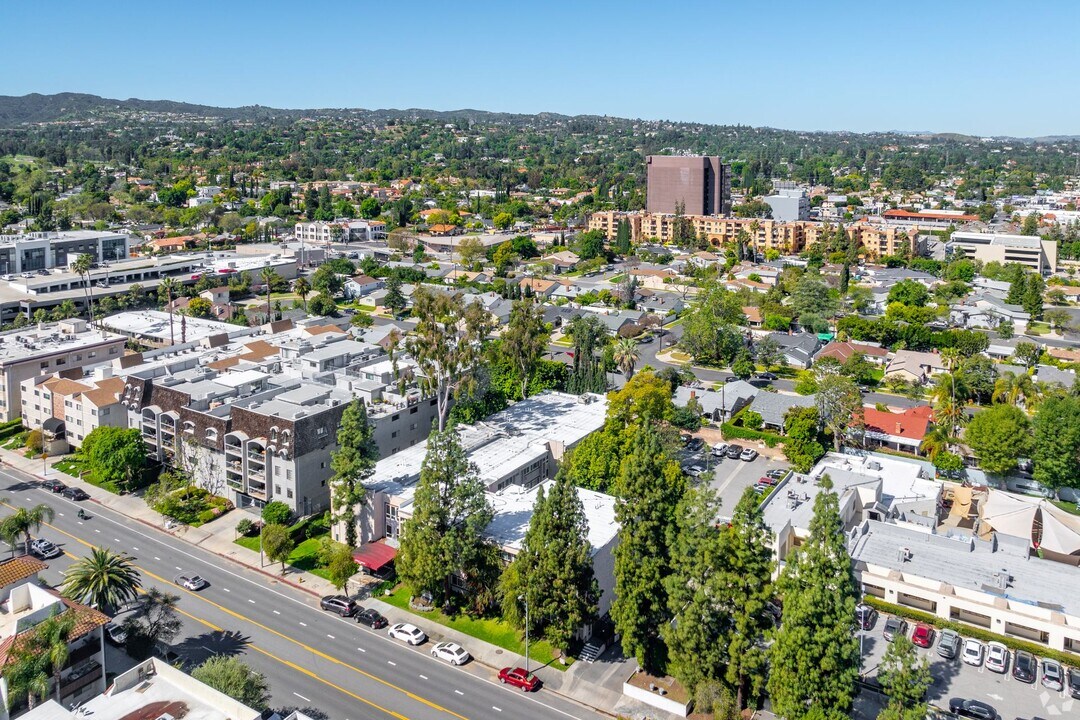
x=311 y=658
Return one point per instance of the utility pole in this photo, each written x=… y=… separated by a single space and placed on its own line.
x=526 y=601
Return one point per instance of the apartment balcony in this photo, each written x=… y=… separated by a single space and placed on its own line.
x=256 y=476
x=79 y=679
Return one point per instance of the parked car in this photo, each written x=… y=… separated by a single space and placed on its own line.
x=339 y=604
x=948 y=645
x=451 y=652
x=923 y=636
x=115 y=634
x=720 y=449
x=193 y=583
x=54 y=486
x=762 y=488
x=1053 y=678
x=74 y=493
x=519 y=678
x=894 y=627
x=371 y=617
x=44 y=549
x=866 y=616
x=407 y=632
x=734 y=451
x=973 y=652
x=695 y=444
x=1072 y=677
x=1024 y=667
x=8 y=278
x=768 y=376
x=777 y=474
x=997 y=657
x=766 y=480
x=972 y=709
x=748 y=455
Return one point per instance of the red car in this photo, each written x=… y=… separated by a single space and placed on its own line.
x=923 y=636
x=519 y=678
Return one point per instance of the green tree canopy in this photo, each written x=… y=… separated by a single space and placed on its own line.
x=1057 y=442
x=999 y=436
x=115 y=454
x=231 y=676
x=352 y=463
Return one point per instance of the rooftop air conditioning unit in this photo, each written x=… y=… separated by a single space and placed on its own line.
x=903 y=554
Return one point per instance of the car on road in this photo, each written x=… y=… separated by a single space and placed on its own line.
x=371 y=617
x=1072 y=677
x=407 y=632
x=54 y=486
x=696 y=471
x=720 y=449
x=1024 y=667
x=73 y=493
x=894 y=627
x=734 y=451
x=339 y=604
x=767 y=376
x=193 y=583
x=1052 y=676
x=115 y=634
x=972 y=709
x=646 y=339
x=748 y=455
x=973 y=652
x=948 y=645
x=866 y=616
x=43 y=548
x=776 y=474
x=997 y=657
x=923 y=636
x=451 y=652
x=519 y=678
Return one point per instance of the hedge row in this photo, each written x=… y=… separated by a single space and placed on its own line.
x=731 y=431
x=972 y=631
x=10 y=429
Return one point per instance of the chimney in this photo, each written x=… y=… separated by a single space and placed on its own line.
x=693 y=394
x=898 y=428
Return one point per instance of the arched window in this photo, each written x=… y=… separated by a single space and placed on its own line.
x=211 y=434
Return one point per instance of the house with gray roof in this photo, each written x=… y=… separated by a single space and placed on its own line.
x=798 y=349
x=721 y=404
x=983 y=310
x=1052 y=375
x=773 y=406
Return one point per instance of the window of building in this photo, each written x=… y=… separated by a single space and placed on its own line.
x=413 y=426
x=288 y=474
x=44 y=365
x=277 y=489
x=288 y=493
x=321 y=431
x=60 y=361
x=413 y=409
x=277 y=470
x=322 y=465
x=395 y=418
x=393 y=434
x=93 y=354
x=93 y=412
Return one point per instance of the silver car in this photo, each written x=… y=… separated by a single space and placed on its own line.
x=44 y=549
x=191 y=582
x=451 y=652
x=1053 y=677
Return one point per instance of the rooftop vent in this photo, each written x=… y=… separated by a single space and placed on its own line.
x=903 y=554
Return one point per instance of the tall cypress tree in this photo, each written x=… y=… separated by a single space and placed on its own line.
x=650 y=487
x=352 y=463
x=622 y=238
x=815 y=656
x=553 y=570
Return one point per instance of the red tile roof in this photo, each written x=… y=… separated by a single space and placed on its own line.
x=908 y=215
x=911 y=424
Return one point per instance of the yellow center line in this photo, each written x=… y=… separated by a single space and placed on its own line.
x=312 y=650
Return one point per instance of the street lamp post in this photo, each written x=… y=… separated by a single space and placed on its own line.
x=526 y=601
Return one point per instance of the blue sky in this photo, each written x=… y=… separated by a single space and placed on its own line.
x=1001 y=68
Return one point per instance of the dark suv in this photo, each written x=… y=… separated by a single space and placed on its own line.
x=1024 y=666
x=1072 y=682
x=734 y=451
x=339 y=604
x=866 y=616
x=371 y=618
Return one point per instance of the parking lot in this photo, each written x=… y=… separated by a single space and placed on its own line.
x=730 y=476
x=952 y=678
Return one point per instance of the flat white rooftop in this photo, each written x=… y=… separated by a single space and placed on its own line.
x=29 y=342
x=154 y=325
x=514 y=506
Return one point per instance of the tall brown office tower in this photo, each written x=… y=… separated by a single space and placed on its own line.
x=701 y=183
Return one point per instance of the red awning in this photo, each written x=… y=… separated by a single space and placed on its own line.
x=375 y=556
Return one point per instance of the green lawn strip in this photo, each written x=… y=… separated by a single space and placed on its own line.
x=71 y=466
x=490 y=630
x=616 y=279
x=304 y=556
x=1069 y=507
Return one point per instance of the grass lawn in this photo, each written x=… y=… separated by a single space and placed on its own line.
x=616 y=279
x=680 y=356
x=303 y=557
x=1038 y=328
x=491 y=630
x=1069 y=507
x=14 y=442
x=73 y=467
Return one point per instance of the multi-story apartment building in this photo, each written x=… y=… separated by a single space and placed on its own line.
x=324 y=233
x=701 y=184
x=28 y=353
x=1033 y=253
x=44 y=250
x=789 y=203
x=82 y=401
x=257 y=419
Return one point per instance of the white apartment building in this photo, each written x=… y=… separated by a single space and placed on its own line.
x=1032 y=252
x=36 y=251
x=324 y=233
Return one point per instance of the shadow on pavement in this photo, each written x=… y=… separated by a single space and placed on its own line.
x=198 y=648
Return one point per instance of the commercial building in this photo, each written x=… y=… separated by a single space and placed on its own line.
x=788 y=203
x=46 y=250
x=1032 y=252
x=514 y=451
x=28 y=353
x=701 y=184
x=26 y=604
x=340 y=231
x=927 y=219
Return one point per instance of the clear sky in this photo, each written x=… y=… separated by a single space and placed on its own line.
x=986 y=68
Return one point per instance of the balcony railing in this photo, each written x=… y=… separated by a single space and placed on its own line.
x=80 y=679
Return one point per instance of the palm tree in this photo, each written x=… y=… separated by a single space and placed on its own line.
x=45 y=650
x=82 y=265
x=22 y=522
x=1015 y=390
x=302 y=288
x=947 y=397
x=167 y=291
x=104 y=579
x=626 y=356
x=267 y=275
x=936 y=441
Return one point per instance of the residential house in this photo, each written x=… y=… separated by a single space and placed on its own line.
x=755 y=318
x=721 y=404
x=562 y=261
x=444 y=230
x=539 y=287
x=841 y=351
x=1052 y=375
x=772 y=407
x=897 y=431
x=359 y=286
x=797 y=349
x=984 y=310
x=914 y=366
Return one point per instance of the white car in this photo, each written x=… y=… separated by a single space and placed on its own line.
x=1053 y=678
x=973 y=652
x=407 y=632
x=44 y=549
x=997 y=657
x=191 y=582
x=451 y=652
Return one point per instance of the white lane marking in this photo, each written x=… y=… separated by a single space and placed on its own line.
x=96 y=530
x=459 y=692
x=157 y=558
x=303 y=623
x=251 y=601
x=60 y=514
x=391 y=662
x=362 y=650
x=302 y=697
x=496 y=709
x=178 y=567
x=134 y=548
x=423 y=677
x=276 y=612
x=80 y=522
x=226 y=589
x=116 y=540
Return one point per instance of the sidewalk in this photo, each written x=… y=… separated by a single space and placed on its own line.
x=597 y=686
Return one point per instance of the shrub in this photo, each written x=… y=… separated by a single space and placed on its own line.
x=318 y=526
x=246 y=527
x=276 y=513
x=34 y=442
x=206 y=516
x=751 y=420
x=731 y=431
x=972 y=631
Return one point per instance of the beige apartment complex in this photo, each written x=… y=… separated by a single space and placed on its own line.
x=784 y=237
x=83 y=402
